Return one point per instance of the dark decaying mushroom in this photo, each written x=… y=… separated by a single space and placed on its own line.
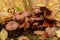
x=48 y=12
x=35 y=25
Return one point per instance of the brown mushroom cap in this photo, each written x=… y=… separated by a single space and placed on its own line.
x=12 y=25
x=25 y=25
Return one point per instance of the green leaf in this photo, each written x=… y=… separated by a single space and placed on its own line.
x=18 y=8
x=48 y=38
x=58 y=38
x=32 y=37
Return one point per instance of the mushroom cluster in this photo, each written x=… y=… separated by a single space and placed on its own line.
x=39 y=18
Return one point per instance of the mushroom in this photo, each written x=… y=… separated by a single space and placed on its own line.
x=51 y=32
x=25 y=14
x=41 y=33
x=23 y=38
x=25 y=25
x=12 y=25
x=17 y=16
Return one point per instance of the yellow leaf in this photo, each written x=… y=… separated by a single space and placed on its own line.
x=40 y=5
x=58 y=33
x=3 y=34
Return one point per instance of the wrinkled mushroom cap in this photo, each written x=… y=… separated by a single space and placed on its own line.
x=12 y=25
